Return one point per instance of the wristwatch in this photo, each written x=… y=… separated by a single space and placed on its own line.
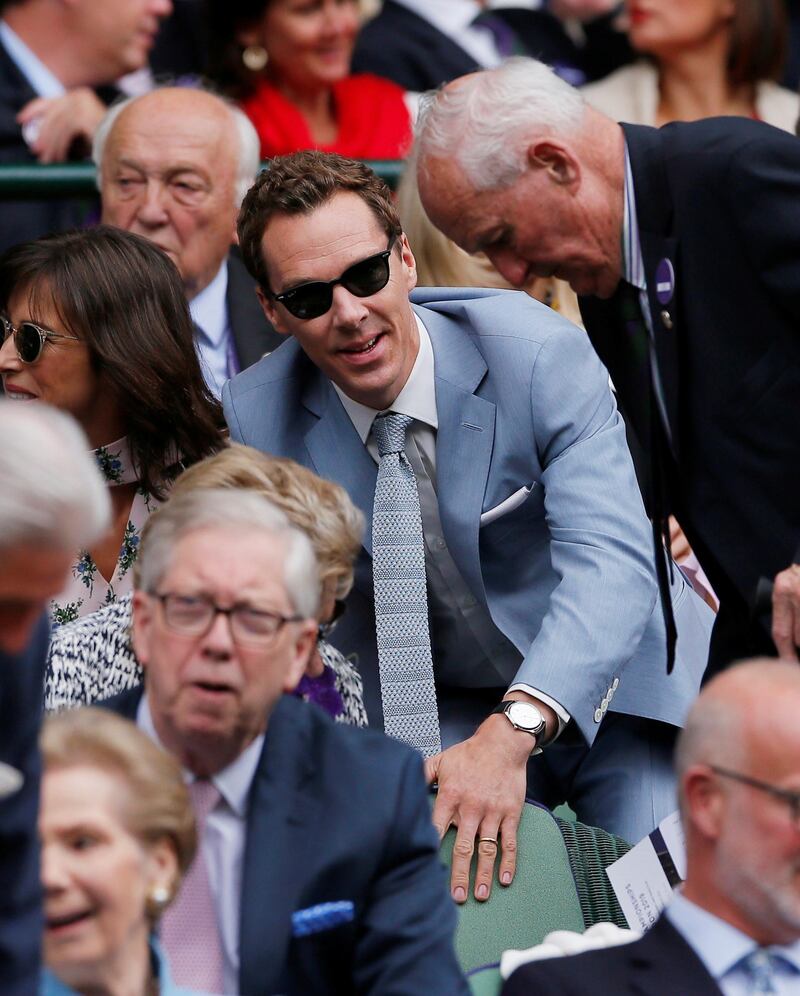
x=526 y=717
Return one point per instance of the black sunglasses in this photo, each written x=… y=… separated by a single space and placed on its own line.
x=29 y=339
x=363 y=279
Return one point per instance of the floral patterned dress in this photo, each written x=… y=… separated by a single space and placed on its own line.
x=87 y=589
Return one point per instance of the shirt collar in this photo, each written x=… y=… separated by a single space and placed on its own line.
x=632 y=261
x=449 y=16
x=232 y=782
x=417 y=399
x=718 y=944
x=209 y=308
x=45 y=83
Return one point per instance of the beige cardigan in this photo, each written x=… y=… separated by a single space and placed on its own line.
x=631 y=94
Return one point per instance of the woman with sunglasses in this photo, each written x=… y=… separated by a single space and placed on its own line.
x=96 y=323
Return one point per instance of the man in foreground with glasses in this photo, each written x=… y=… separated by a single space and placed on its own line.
x=734 y=926
x=318 y=868
x=507 y=572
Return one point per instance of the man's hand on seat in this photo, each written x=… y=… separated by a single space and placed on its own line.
x=60 y=120
x=786 y=612
x=482 y=784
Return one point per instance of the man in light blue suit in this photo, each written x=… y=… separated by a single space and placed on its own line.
x=538 y=556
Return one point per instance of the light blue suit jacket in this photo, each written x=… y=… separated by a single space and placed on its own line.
x=526 y=417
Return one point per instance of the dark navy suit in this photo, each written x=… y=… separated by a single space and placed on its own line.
x=21 y=694
x=659 y=964
x=720 y=199
x=337 y=813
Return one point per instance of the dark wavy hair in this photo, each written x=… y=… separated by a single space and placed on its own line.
x=224 y=67
x=124 y=297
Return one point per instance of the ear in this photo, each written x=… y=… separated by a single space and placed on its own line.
x=409 y=263
x=161 y=866
x=270 y=309
x=305 y=638
x=704 y=801
x=252 y=34
x=144 y=609
x=557 y=160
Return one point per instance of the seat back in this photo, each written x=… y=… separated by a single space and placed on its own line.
x=542 y=897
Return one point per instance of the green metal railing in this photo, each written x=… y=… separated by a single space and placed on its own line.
x=31 y=181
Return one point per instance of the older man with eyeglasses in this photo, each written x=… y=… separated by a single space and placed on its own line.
x=734 y=927
x=318 y=869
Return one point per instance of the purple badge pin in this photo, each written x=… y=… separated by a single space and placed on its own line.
x=665 y=281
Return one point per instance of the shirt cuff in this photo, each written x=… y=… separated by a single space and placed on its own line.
x=561 y=713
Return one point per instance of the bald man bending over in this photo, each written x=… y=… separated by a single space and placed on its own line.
x=734 y=927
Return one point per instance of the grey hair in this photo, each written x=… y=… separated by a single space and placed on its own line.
x=229 y=508
x=53 y=494
x=481 y=121
x=249 y=159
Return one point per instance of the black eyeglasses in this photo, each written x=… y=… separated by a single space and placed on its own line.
x=362 y=279
x=325 y=629
x=29 y=339
x=194 y=615
x=792 y=799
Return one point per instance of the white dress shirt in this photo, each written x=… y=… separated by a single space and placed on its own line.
x=418 y=399
x=454 y=18
x=721 y=948
x=42 y=81
x=223 y=844
x=213 y=336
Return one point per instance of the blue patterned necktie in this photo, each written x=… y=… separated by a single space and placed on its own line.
x=759 y=967
x=401 y=594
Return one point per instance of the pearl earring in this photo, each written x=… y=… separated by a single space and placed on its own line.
x=255 y=58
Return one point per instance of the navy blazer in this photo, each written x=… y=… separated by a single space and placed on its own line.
x=720 y=199
x=537 y=497
x=21 y=694
x=337 y=813
x=660 y=963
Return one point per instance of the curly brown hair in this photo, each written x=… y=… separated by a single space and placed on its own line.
x=298 y=184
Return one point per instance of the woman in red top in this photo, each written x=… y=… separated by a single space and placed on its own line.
x=288 y=64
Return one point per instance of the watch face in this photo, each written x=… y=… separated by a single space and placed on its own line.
x=526 y=716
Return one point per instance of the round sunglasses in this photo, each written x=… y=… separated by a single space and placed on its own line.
x=29 y=338
x=363 y=279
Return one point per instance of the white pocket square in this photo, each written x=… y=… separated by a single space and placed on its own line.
x=507 y=505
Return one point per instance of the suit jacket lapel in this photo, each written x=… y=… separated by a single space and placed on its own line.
x=252 y=333
x=663 y=958
x=280 y=807
x=464 y=441
x=336 y=449
x=654 y=213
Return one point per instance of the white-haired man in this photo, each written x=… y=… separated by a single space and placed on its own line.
x=173 y=166
x=318 y=869
x=684 y=245
x=52 y=502
x=734 y=927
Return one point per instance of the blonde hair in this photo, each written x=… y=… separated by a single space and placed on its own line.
x=159 y=800
x=320 y=508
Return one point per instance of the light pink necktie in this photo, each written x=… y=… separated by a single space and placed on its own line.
x=189 y=927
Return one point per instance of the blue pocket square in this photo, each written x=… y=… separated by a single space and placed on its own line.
x=323 y=916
